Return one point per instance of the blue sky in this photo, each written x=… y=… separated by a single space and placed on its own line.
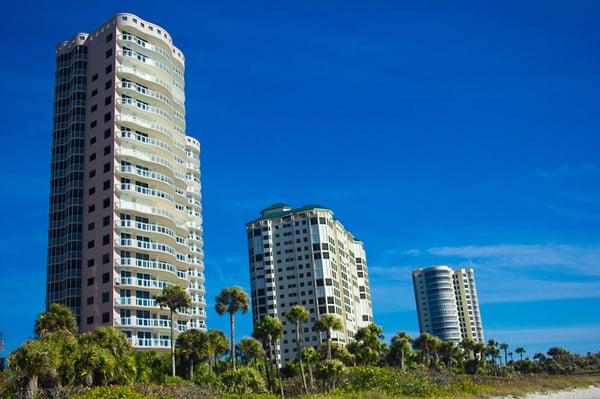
x=461 y=134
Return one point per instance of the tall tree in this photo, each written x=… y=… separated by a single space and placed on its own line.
x=520 y=350
x=269 y=330
x=218 y=344
x=57 y=318
x=250 y=350
x=297 y=315
x=175 y=298
x=328 y=323
x=504 y=347
x=468 y=346
x=368 y=346
x=34 y=359
x=194 y=346
x=309 y=355
x=399 y=349
x=232 y=300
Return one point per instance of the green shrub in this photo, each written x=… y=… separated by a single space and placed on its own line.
x=184 y=390
x=243 y=380
x=116 y=392
x=174 y=380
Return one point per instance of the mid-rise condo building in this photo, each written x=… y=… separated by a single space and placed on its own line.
x=447 y=303
x=125 y=204
x=303 y=256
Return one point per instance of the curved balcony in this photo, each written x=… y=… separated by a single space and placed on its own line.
x=148 y=323
x=134 y=119
x=152 y=246
x=165 y=215
x=143 y=59
x=136 y=138
x=139 y=105
x=134 y=88
x=154 y=229
x=147 y=191
x=126 y=151
x=143 y=283
x=134 y=72
x=166 y=269
x=154 y=177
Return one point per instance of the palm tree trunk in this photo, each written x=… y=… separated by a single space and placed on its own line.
x=505 y=357
x=300 y=356
x=269 y=365
x=232 y=344
x=310 y=375
x=329 y=344
x=192 y=370
x=402 y=359
x=280 y=380
x=172 y=345
x=31 y=387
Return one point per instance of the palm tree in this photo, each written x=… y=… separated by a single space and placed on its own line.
x=57 y=318
x=297 y=315
x=449 y=351
x=269 y=330
x=399 y=349
x=35 y=358
x=468 y=346
x=250 y=350
x=217 y=343
x=504 y=347
x=175 y=298
x=510 y=354
x=479 y=348
x=520 y=350
x=232 y=300
x=328 y=323
x=194 y=346
x=310 y=357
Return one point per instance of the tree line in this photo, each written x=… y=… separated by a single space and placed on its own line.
x=59 y=358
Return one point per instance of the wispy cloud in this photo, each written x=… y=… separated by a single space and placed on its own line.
x=583 y=259
x=566 y=170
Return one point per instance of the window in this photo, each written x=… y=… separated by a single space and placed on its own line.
x=94 y=108
x=105 y=239
x=105 y=297
x=108 y=84
x=108 y=53
x=107 y=131
x=106 y=167
x=105 y=317
x=92 y=157
x=92 y=173
x=95 y=77
x=106 y=221
x=107 y=148
x=107 y=117
x=105 y=277
x=90 y=300
x=106 y=185
x=109 y=37
x=93 y=124
x=93 y=140
x=91 y=208
x=90 y=262
x=95 y=91
x=90 y=281
x=108 y=69
x=106 y=203
x=90 y=320
x=90 y=226
x=90 y=244
x=105 y=259
x=91 y=190
x=107 y=101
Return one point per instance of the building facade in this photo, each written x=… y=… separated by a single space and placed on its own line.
x=125 y=203
x=447 y=303
x=305 y=257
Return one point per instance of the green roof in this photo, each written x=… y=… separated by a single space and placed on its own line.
x=280 y=209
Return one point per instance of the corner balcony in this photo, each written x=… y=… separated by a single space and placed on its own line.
x=154 y=229
x=134 y=72
x=151 y=246
x=133 y=87
x=145 y=123
x=139 y=105
x=136 y=138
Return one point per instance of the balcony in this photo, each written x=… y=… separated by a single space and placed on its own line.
x=132 y=102
x=150 y=343
x=151 y=246
x=152 y=265
x=138 y=282
x=148 y=77
x=153 y=228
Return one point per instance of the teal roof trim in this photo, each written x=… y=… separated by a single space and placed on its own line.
x=275 y=215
